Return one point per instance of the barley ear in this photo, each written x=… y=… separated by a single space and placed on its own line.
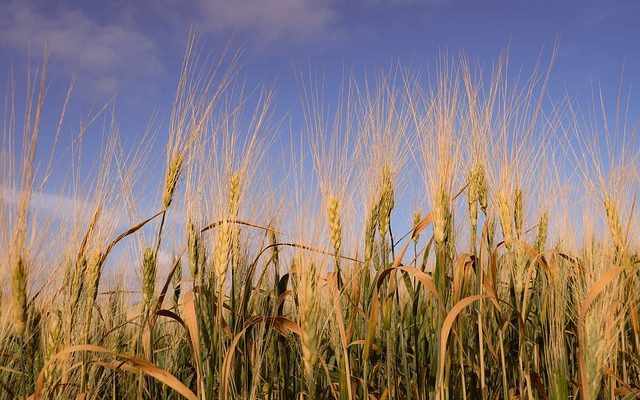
x=543 y=228
x=335 y=225
x=481 y=188
x=370 y=233
x=442 y=218
x=221 y=257
x=94 y=271
x=386 y=201
x=19 y=303
x=177 y=281
x=149 y=269
x=274 y=248
x=309 y=313
x=506 y=218
x=417 y=217
x=193 y=249
x=518 y=212
x=171 y=181
x=613 y=222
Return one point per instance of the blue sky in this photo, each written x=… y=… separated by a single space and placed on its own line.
x=132 y=49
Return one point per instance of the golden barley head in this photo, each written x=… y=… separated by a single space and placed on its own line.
x=518 y=212
x=442 y=218
x=171 y=180
x=335 y=224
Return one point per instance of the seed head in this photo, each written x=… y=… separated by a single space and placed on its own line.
x=506 y=217
x=177 y=279
x=386 y=200
x=370 y=233
x=518 y=212
x=222 y=250
x=19 y=287
x=309 y=319
x=94 y=271
x=171 y=180
x=274 y=249
x=335 y=224
x=543 y=228
x=149 y=269
x=442 y=219
x=417 y=217
x=491 y=230
x=481 y=189
x=613 y=221
x=473 y=197
x=234 y=194
x=193 y=250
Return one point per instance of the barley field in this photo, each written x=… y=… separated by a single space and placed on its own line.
x=465 y=238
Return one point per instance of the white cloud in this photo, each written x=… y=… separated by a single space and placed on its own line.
x=102 y=52
x=289 y=21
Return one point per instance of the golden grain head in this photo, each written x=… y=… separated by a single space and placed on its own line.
x=518 y=212
x=335 y=223
x=171 y=181
x=613 y=221
x=442 y=218
x=505 y=216
x=234 y=194
x=223 y=246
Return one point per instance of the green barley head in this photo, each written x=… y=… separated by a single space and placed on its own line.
x=19 y=303
x=149 y=271
x=386 y=200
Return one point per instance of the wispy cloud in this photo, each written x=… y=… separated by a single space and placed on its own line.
x=288 y=21
x=104 y=52
x=407 y=2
